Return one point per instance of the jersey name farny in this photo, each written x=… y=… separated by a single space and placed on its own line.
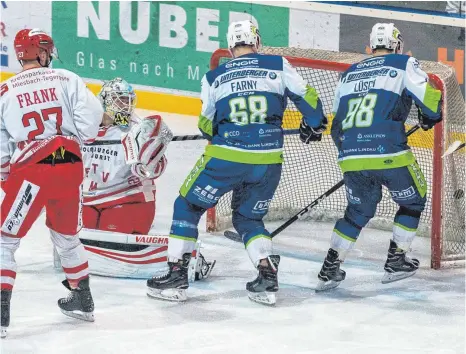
x=243 y=105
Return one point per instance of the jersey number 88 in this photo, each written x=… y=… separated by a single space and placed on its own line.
x=360 y=112
x=250 y=110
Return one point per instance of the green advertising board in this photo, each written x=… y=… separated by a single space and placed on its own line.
x=162 y=44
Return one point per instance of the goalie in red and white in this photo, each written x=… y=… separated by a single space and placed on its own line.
x=119 y=204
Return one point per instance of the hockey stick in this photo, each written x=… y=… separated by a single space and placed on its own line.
x=236 y=237
x=455 y=146
x=200 y=137
x=179 y=138
x=175 y=138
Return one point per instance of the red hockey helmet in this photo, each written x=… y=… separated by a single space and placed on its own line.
x=29 y=42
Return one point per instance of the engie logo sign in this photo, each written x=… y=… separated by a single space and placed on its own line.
x=159 y=44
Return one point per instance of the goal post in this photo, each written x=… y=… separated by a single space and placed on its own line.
x=310 y=170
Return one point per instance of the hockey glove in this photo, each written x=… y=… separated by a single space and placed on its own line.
x=308 y=134
x=153 y=170
x=147 y=141
x=425 y=122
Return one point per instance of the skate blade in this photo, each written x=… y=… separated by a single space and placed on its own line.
x=85 y=316
x=3 y=332
x=391 y=277
x=201 y=275
x=326 y=285
x=265 y=298
x=176 y=295
x=212 y=265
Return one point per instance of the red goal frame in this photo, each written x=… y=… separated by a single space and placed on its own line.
x=437 y=166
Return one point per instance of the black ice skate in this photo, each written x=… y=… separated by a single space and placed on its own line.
x=5 y=311
x=330 y=276
x=398 y=266
x=79 y=303
x=264 y=287
x=171 y=286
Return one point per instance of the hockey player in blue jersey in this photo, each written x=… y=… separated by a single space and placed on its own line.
x=372 y=103
x=243 y=102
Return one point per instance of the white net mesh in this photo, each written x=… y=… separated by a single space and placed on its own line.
x=310 y=170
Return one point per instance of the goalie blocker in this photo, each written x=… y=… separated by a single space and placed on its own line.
x=133 y=256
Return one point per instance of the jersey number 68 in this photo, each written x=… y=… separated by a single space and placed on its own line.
x=250 y=110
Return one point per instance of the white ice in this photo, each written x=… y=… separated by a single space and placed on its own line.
x=422 y=314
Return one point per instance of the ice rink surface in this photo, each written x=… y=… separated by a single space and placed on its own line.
x=423 y=314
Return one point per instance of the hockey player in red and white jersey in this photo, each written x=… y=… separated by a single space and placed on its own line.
x=122 y=166
x=119 y=195
x=45 y=116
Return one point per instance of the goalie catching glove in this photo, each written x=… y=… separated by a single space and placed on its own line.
x=308 y=134
x=145 y=145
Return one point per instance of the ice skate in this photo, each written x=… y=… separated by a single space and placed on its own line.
x=5 y=312
x=398 y=266
x=171 y=286
x=330 y=276
x=79 y=303
x=264 y=287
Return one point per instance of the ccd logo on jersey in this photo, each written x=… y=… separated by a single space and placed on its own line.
x=231 y=134
x=242 y=63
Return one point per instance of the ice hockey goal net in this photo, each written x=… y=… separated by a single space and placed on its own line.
x=310 y=170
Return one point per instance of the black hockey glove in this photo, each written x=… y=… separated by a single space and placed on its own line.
x=308 y=134
x=425 y=122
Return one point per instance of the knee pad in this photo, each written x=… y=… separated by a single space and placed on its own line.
x=244 y=225
x=408 y=217
x=186 y=217
x=359 y=217
x=413 y=211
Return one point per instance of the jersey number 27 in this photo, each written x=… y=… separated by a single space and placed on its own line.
x=40 y=118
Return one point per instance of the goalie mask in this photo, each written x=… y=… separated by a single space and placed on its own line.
x=118 y=100
x=386 y=36
x=243 y=33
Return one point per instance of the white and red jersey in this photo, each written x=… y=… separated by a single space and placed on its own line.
x=42 y=109
x=108 y=177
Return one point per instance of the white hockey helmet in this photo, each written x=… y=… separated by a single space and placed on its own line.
x=118 y=100
x=386 y=36
x=243 y=33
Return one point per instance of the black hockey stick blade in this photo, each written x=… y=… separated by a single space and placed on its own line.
x=236 y=237
x=233 y=236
